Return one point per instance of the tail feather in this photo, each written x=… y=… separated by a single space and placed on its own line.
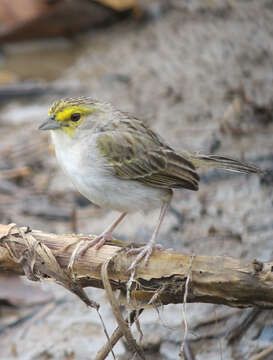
x=223 y=162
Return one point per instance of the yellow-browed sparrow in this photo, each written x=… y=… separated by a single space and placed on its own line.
x=118 y=162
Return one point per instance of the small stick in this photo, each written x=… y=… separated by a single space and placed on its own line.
x=262 y=354
x=117 y=334
x=216 y=318
x=133 y=346
x=188 y=352
x=236 y=332
x=14 y=173
x=181 y=353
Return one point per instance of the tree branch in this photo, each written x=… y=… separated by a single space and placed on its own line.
x=214 y=279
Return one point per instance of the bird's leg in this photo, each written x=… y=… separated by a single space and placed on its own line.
x=99 y=240
x=146 y=251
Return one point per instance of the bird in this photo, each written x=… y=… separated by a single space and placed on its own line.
x=118 y=162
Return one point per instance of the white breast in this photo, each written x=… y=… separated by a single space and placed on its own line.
x=88 y=171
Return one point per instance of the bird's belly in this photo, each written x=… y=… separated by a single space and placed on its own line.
x=121 y=195
x=93 y=180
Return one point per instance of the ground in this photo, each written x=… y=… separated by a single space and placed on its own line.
x=200 y=73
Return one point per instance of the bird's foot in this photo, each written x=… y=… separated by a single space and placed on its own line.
x=143 y=252
x=97 y=243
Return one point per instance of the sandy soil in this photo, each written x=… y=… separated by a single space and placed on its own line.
x=201 y=74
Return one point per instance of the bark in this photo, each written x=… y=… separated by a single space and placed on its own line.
x=211 y=279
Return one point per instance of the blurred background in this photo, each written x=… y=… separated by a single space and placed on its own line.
x=199 y=72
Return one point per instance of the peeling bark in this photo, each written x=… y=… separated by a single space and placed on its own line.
x=214 y=279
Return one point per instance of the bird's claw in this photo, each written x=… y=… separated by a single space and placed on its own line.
x=142 y=252
x=97 y=243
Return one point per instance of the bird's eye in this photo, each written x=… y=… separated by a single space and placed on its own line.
x=75 y=117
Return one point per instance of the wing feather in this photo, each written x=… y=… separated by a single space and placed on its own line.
x=145 y=158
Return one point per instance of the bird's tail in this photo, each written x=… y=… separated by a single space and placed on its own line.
x=223 y=162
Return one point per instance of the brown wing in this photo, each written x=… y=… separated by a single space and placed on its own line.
x=143 y=157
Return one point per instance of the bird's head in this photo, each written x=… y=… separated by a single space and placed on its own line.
x=69 y=113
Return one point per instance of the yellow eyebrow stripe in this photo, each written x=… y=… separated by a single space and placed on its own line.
x=66 y=113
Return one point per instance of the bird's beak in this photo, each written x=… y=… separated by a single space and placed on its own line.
x=50 y=124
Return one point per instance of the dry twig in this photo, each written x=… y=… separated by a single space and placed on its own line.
x=117 y=334
x=263 y=354
x=181 y=353
x=123 y=325
x=242 y=325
